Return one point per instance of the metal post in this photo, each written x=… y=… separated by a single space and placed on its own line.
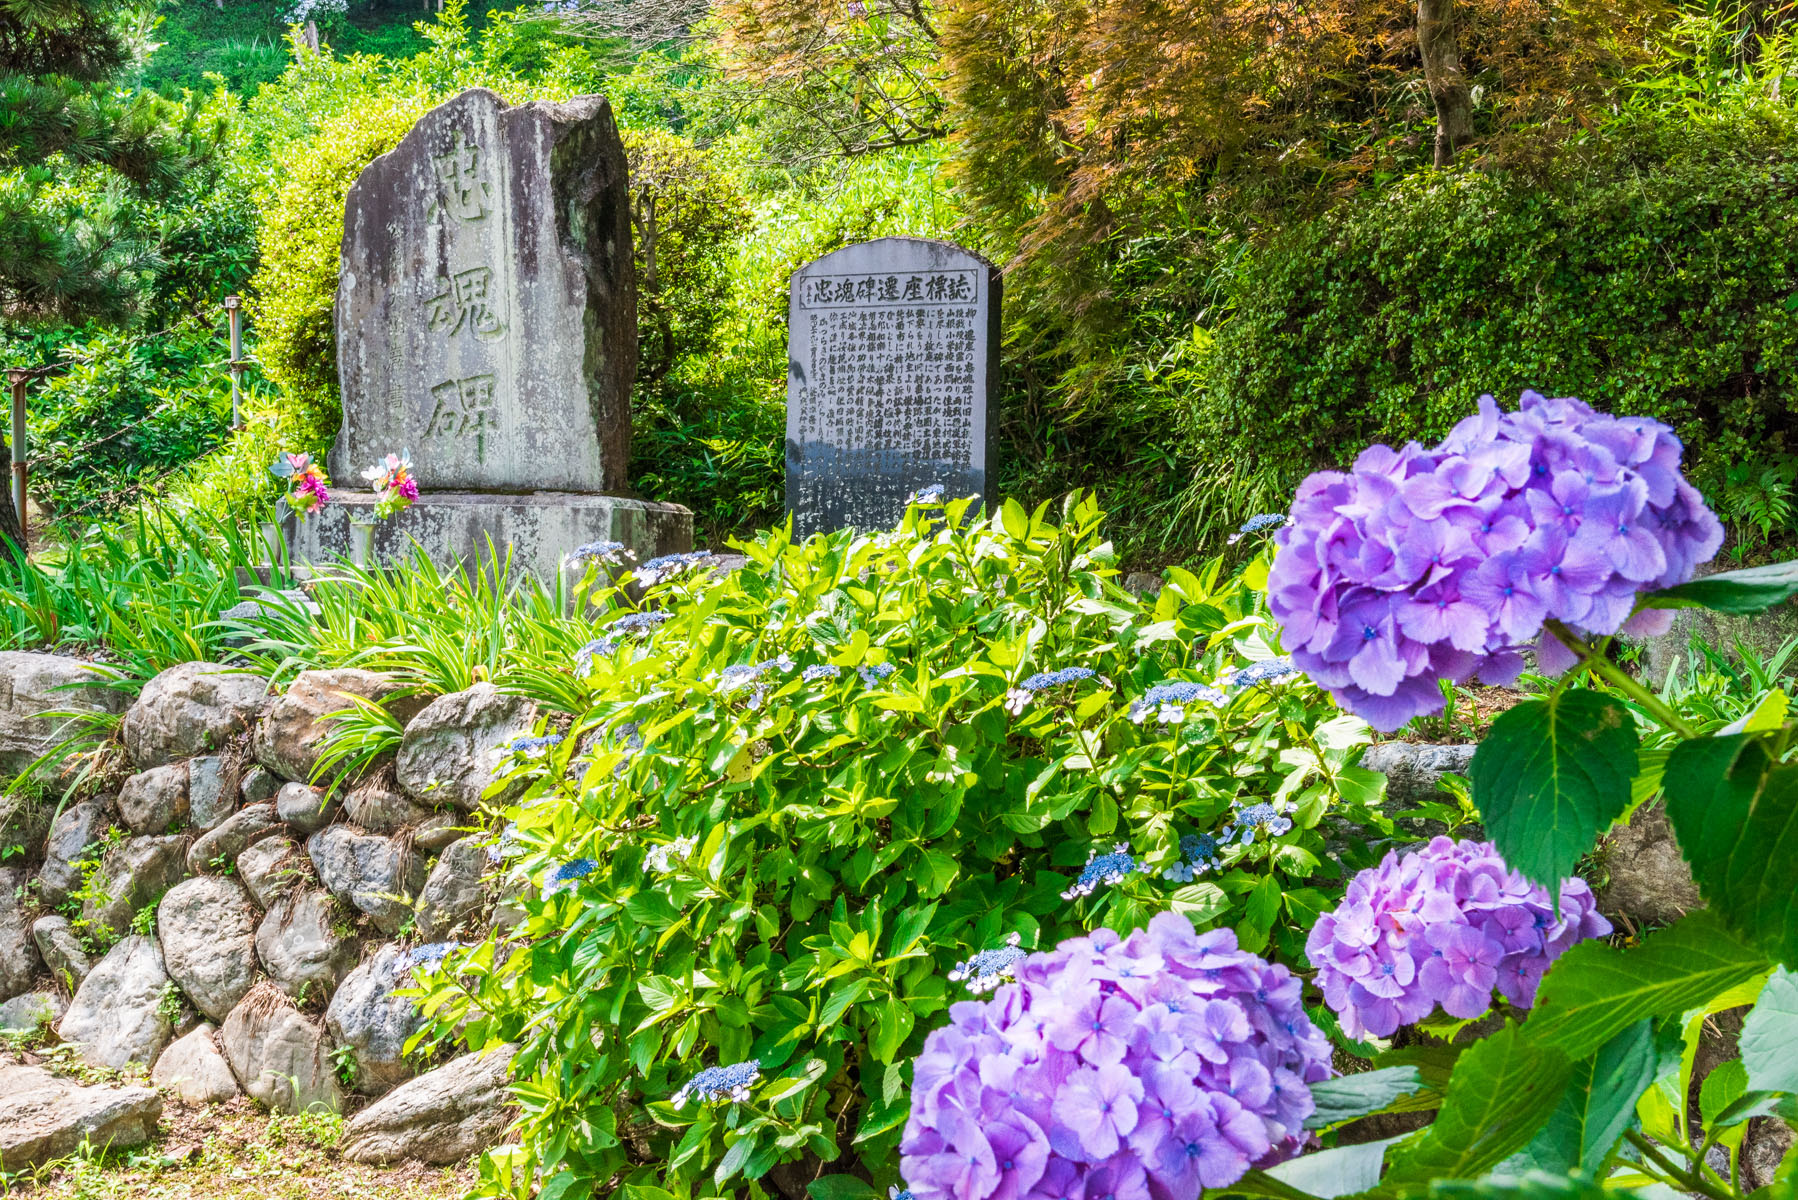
x=18 y=377
x=234 y=315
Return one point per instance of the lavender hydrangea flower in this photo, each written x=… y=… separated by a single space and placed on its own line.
x=1103 y=870
x=1170 y=1060
x=1442 y=925
x=715 y=1085
x=1423 y=565
x=990 y=968
x=1168 y=701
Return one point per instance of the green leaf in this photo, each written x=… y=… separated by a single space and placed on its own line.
x=1745 y=592
x=1339 y=1172
x=1598 y=1105
x=1349 y=1097
x=1502 y=1091
x=1735 y=812
x=733 y=1159
x=1726 y=1084
x=1769 y=1041
x=1596 y=991
x=1551 y=776
x=840 y=1187
x=1536 y=1185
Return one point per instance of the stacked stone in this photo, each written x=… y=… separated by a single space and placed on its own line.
x=285 y=912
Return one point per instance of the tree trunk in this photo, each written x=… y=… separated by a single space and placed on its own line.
x=12 y=534
x=1442 y=72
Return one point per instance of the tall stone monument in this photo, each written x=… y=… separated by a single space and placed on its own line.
x=891 y=364
x=486 y=322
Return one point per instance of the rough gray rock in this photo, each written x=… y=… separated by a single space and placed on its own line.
x=447 y=752
x=279 y=1055
x=32 y=685
x=152 y=801
x=191 y=708
x=305 y=808
x=209 y=802
x=453 y=893
x=44 y=1118
x=63 y=954
x=1414 y=771
x=24 y=1013
x=18 y=953
x=306 y=944
x=116 y=1016
x=380 y=808
x=194 y=1068
x=443 y=1116
x=245 y=827
x=72 y=835
x=131 y=875
x=1647 y=880
x=366 y=1016
x=438 y=830
x=259 y=784
x=378 y=875
x=25 y=819
x=208 y=932
x=272 y=867
x=294 y=731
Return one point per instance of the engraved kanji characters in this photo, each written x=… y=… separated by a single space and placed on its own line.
x=464 y=408
x=466 y=300
x=466 y=194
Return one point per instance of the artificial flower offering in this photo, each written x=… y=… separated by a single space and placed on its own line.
x=307 y=484
x=393 y=483
x=1419 y=566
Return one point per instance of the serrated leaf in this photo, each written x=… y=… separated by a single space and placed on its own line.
x=1502 y=1091
x=1598 y=1105
x=1769 y=1041
x=1551 y=776
x=1595 y=991
x=1349 y=1097
x=1735 y=812
x=1743 y=593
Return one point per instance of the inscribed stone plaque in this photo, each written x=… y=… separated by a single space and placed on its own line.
x=487 y=310
x=890 y=366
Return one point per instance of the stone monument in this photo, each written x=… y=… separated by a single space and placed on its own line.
x=891 y=364
x=486 y=322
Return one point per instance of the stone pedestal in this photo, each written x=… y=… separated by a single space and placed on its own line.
x=538 y=528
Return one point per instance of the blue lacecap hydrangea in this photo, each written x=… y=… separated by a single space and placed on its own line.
x=715 y=1085
x=874 y=673
x=574 y=868
x=639 y=622
x=1256 y=524
x=1103 y=870
x=530 y=745
x=1048 y=679
x=1198 y=855
x=430 y=953
x=673 y=562
x=819 y=671
x=1263 y=672
x=1255 y=817
x=1170 y=699
x=988 y=969
x=595 y=550
x=932 y=494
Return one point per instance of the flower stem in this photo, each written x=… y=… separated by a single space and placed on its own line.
x=1620 y=679
x=1690 y=1180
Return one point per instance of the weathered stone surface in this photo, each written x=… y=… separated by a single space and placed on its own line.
x=453 y=893
x=25 y=819
x=922 y=317
x=367 y=1016
x=259 y=784
x=191 y=708
x=43 y=1117
x=272 y=867
x=279 y=1055
x=32 y=685
x=18 y=953
x=486 y=314
x=447 y=752
x=1646 y=879
x=63 y=954
x=131 y=875
x=79 y=828
x=305 y=808
x=306 y=944
x=294 y=730
x=116 y=1016
x=194 y=1068
x=1414 y=771
x=378 y=875
x=209 y=801
x=26 y=1012
x=443 y=1116
x=435 y=833
x=378 y=806
x=152 y=801
x=208 y=932
x=245 y=827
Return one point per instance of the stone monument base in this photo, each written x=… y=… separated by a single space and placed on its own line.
x=538 y=528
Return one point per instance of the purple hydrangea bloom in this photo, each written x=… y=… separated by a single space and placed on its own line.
x=1148 y=1067
x=1442 y=925
x=1422 y=565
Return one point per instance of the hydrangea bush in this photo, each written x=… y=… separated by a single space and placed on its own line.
x=884 y=759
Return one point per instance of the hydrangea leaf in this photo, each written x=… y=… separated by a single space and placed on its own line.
x=1502 y=1091
x=1349 y=1097
x=1595 y=991
x=1743 y=593
x=1598 y=1105
x=1551 y=776
x=1770 y=1035
x=840 y=1187
x=1536 y=1185
x=1343 y=1171
x=1735 y=812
